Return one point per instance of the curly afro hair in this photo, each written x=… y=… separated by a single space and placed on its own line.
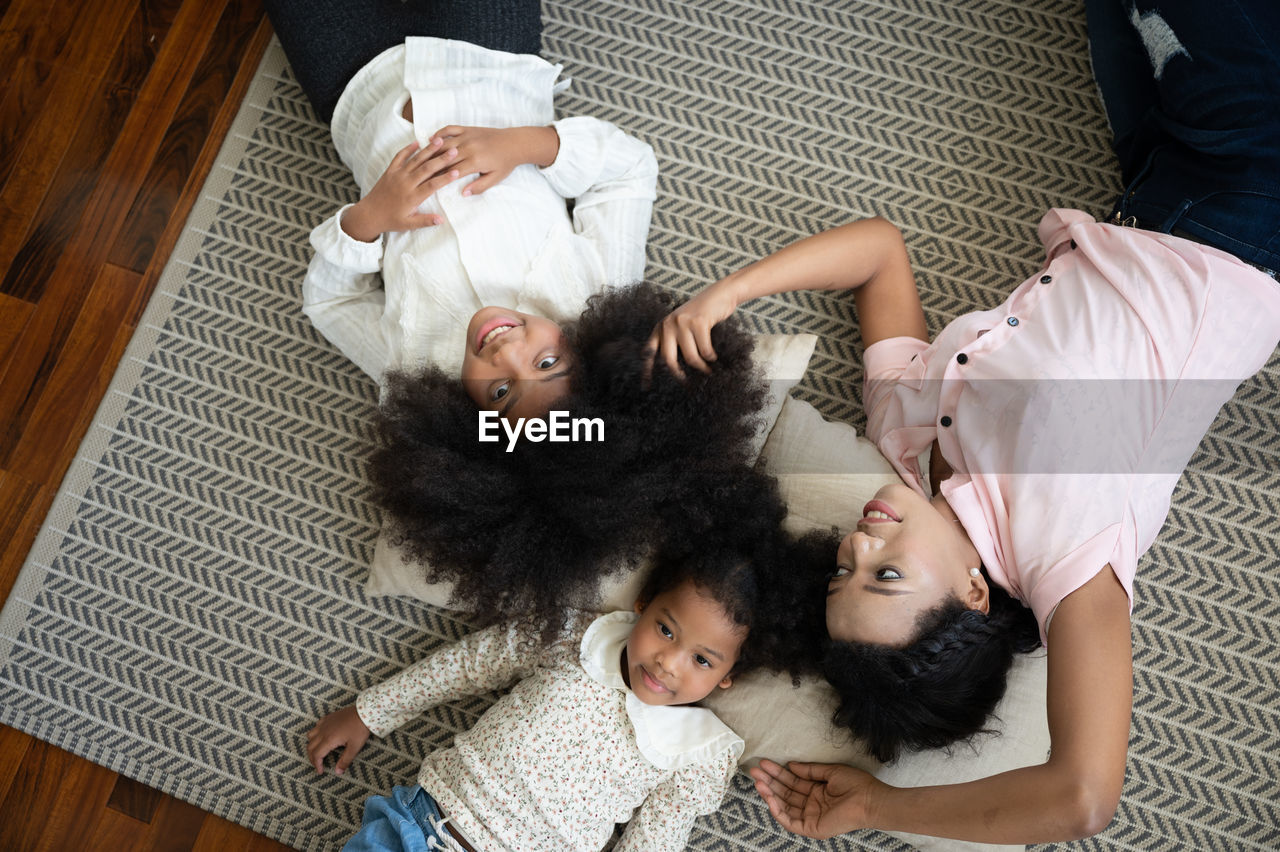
x=764 y=580
x=534 y=530
x=939 y=689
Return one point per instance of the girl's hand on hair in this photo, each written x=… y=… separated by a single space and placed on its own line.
x=493 y=152
x=818 y=800
x=340 y=729
x=687 y=330
x=412 y=177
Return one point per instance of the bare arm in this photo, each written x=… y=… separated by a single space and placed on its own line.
x=1073 y=794
x=867 y=256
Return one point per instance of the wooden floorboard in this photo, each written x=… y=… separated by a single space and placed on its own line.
x=191 y=124
x=50 y=168
x=110 y=118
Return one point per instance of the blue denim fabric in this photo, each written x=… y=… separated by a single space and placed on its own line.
x=1198 y=142
x=398 y=823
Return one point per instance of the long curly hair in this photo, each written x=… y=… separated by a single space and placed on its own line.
x=938 y=690
x=534 y=530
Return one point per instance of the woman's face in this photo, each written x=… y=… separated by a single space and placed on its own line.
x=907 y=556
x=516 y=364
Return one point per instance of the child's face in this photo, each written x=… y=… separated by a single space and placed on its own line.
x=516 y=364
x=682 y=647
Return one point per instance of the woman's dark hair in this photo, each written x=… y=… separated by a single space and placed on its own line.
x=939 y=689
x=532 y=531
x=763 y=580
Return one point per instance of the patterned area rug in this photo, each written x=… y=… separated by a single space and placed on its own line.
x=194 y=600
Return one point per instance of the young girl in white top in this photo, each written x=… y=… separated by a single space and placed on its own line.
x=461 y=261
x=460 y=252
x=597 y=730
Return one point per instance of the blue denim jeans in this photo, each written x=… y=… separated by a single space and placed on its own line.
x=405 y=821
x=1192 y=92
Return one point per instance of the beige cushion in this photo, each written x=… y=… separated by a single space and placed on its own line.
x=390 y=573
x=783 y=358
x=827 y=471
x=782 y=722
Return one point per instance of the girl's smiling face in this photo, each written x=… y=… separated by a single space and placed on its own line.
x=907 y=556
x=515 y=363
x=681 y=648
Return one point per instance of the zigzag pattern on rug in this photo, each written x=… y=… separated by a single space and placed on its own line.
x=195 y=601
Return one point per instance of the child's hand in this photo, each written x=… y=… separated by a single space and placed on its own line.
x=340 y=729
x=413 y=176
x=687 y=330
x=492 y=152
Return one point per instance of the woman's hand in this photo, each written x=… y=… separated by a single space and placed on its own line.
x=413 y=176
x=687 y=330
x=818 y=800
x=340 y=729
x=867 y=256
x=493 y=152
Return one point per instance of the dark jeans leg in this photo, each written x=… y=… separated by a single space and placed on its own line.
x=1198 y=130
x=328 y=41
x=1123 y=74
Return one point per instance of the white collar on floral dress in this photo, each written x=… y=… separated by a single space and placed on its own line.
x=670 y=737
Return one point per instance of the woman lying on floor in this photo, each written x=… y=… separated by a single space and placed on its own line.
x=460 y=260
x=1039 y=442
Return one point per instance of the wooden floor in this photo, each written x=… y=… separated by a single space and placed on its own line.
x=110 y=118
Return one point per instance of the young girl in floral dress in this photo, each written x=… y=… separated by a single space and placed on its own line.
x=597 y=730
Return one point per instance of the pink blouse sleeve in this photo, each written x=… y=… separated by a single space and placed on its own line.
x=885 y=363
